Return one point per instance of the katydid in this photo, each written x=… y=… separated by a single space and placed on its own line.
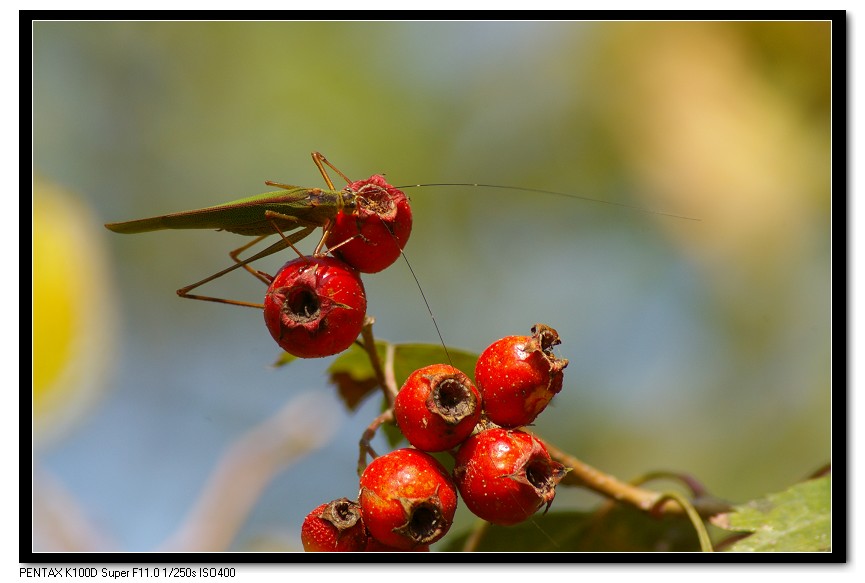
x=293 y=213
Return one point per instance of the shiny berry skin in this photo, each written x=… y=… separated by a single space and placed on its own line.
x=519 y=375
x=407 y=498
x=437 y=408
x=315 y=306
x=334 y=527
x=506 y=475
x=372 y=236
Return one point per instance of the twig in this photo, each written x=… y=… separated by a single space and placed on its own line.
x=369 y=346
x=366 y=438
x=582 y=474
x=383 y=374
x=390 y=386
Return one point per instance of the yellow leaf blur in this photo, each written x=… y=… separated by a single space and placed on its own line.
x=73 y=313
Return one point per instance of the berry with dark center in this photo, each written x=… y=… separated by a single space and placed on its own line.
x=372 y=236
x=315 y=306
x=407 y=498
x=334 y=527
x=437 y=408
x=519 y=375
x=504 y=476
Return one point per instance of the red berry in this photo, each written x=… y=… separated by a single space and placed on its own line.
x=519 y=375
x=407 y=499
x=504 y=476
x=315 y=307
x=335 y=526
x=437 y=408
x=371 y=237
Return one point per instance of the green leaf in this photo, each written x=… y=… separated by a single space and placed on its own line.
x=795 y=520
x=612 y=528
x=410 y=357
x=354 y=377
x=284 y=359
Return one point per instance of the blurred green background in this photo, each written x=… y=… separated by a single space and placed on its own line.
x=698 y=346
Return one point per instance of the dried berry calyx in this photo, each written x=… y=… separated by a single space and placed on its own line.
x=437 y=407
x=334 y=527
x=315 y=306
x=407 y=498
x=505 y=476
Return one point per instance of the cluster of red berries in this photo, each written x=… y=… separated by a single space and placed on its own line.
x=407 y=498
x=315 y=306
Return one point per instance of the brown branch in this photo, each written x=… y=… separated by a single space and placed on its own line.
x=586 y=476
x=384 y=375
x=368 y=435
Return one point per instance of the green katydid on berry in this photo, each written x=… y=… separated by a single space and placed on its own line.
x=367 y=223
x=294 y=213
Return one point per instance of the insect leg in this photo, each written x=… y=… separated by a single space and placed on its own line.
x=338 y=245
x=320 y=161
x=272 y=216
x=234 y=256
x=325 y=231
x=286 y=241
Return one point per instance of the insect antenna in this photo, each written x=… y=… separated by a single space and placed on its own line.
x=426 y=303
x=557 y=193
x=420 y=289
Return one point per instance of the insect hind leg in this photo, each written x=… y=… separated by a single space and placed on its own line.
x=235 y=256
x=286 y=241
x=273 y=216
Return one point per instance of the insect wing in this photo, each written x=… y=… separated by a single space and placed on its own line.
x=246 y=216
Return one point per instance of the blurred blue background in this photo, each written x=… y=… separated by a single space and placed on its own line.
x=699 y=346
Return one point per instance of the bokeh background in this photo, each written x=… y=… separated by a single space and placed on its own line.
x=698 y=346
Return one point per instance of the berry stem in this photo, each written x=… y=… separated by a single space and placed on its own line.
x=383 y=374
x=693 y=516
x=390 y=387
x=368 y=435
x=371 y=350
x=582 y=474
